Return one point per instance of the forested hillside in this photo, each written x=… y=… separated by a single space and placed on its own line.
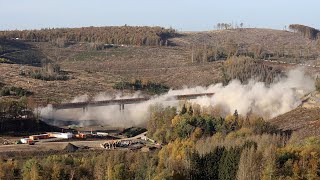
x=197 y=144
x=127 y=35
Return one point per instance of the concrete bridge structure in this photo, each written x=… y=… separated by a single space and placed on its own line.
x=121 y=102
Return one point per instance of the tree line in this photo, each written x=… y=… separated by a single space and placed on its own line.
x=141 y=85
x=308 y=32
x=128 y=35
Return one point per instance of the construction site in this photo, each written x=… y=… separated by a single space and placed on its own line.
x=95 y=136
x=82 y=141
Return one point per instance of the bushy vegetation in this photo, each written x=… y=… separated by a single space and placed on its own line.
x=208 y=54
x=3 y=60
x=134 y=131
x=141 y=85
x=37 y=74
x=14 y=91
x=230 y=48
x=49 y=72
x=128 y=35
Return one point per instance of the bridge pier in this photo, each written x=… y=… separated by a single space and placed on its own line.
x=85 y=109
x=52 y=113
x=121 y=107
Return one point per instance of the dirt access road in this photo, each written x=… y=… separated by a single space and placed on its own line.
x=47 y=146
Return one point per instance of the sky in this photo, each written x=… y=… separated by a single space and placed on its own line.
x=183 y=15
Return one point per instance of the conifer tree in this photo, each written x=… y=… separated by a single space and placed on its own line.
x=228 y=165
x=183 y=109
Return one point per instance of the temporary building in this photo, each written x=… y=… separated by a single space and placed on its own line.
x=24 y=140
x=40 y=136
x=61 y=135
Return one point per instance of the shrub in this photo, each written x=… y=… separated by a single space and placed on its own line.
x=18 y=91
x=134 y=131
x=42 y=75
x=153 y=88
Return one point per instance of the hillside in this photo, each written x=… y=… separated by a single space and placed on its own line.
x=304 y=122
x=222 y=135
x=19 y=52
x=25 y=126
x=253 y=40
x=93 y=71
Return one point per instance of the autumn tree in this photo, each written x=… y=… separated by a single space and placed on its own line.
x=249 y=165
x=269 y=163
x=7 y=170
x=100 y=168
x=32 y=170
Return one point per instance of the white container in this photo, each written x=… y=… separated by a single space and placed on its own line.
x=24 y=140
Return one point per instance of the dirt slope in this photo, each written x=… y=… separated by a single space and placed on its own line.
x=303 y=121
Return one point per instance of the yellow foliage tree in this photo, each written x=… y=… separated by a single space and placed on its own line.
x=197 y=134
x=174 y=156
x=175 y=120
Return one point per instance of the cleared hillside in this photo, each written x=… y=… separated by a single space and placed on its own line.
x=268 y=41
x=304 y=122
x=94 y=71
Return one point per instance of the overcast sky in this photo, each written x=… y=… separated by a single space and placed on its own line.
x=185 y=15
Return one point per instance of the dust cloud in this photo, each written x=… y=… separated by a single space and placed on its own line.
x=267 y=101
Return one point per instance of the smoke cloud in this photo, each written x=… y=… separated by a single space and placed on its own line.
x=255 y=97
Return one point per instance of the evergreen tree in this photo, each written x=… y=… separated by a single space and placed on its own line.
x=183 y=110
x=212 y=163
x=196 y=166
x=190 y=110
x=228 y=165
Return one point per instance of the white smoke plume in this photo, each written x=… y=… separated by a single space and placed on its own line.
x=254 y=97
